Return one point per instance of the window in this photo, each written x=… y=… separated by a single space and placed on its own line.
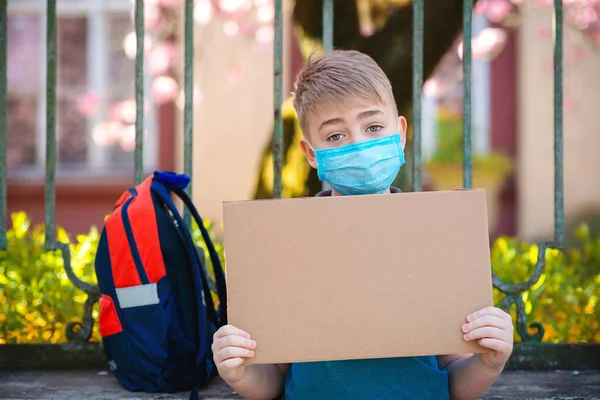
x=95 y=111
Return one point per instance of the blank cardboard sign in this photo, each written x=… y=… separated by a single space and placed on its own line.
x=376 y=276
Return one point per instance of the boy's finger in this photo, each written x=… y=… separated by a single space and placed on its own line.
x=495 y=344
x=234 y=340
x=231 y=363
x=485 y=320
x=485 y=332
x=230 y=330
x=487 y=311
x=233 y=352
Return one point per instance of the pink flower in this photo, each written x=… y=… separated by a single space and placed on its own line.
x=124 y=111
x=152 y=16
x=584 y=17
x=233 y=7
x=161 y=58
x=479 y=8
x=497 y=10
x=432 y=88
x=88 y=103
x=106 y=133
x=203 y=12
x=127 y=138
x=487 y=44
x=265 y=14
x=130 y=45
x=164 y=89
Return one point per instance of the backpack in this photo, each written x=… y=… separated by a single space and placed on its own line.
x=157 y=312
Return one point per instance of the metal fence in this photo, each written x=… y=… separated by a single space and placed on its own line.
x=530 y=353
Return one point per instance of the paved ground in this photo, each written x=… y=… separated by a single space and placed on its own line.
x=100 y=385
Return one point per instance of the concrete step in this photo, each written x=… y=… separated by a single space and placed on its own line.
x=87 y=385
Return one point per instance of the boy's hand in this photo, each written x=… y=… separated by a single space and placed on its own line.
x=493 y=329
x=231 y=347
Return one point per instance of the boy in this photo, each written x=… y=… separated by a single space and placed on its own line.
x=355 y=138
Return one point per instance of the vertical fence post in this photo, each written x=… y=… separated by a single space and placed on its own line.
x=327 y=25
x=418 y=22
x=327 y=42
x=278 y=99
x=3 y=119
x=50 y=125
x=559 y=205
x=188 y=115
x=139 y=92
x=467 y=57
x=75 y=331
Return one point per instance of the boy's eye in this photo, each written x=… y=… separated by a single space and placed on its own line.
x=335 y=136
x=374 y=128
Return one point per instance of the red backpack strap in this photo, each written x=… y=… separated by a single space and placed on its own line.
x=142 y=217
x=121 y=260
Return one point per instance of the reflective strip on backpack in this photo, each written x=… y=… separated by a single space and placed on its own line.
x=137 y=296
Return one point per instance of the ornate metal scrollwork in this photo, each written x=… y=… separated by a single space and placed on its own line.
x=79 y=331
x=513 y=293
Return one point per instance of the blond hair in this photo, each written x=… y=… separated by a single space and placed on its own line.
x=339 y=76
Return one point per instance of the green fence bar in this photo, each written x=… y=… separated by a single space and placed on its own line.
x=50 y=124
x=559 y=204
x=3 y=120
x=278 y=99
x=327 y=42
x=139 y=92
x=467 y=58
x=75 y=331
x=188 y=114
x=418 y=22
x=327 y=25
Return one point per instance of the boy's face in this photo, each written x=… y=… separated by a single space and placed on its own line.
x=336 y=125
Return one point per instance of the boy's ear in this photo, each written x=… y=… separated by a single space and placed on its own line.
x=308 y=153
x=403 y=128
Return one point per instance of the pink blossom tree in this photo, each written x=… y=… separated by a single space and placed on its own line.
x=504 y=16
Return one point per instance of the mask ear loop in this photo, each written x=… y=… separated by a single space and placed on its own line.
x=400 y=131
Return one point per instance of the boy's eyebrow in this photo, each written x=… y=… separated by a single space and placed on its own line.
x=362 y=115
x=331 y=122
x=369 y=113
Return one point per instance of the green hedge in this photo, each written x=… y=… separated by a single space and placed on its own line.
x=565 y=298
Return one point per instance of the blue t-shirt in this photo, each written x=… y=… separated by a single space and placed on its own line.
x=407 y=378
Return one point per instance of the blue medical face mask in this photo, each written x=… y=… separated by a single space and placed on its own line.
x=367 y=167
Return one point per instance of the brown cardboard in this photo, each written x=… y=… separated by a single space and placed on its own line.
x=376 y=276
